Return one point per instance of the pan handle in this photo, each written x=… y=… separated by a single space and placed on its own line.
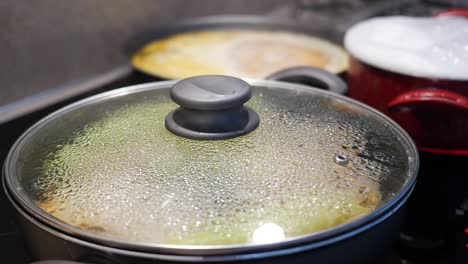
x=430 y=99
x=447 y=103
x=453 y=12
x=311 y=76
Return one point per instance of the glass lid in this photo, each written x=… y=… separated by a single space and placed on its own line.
x=110 y=167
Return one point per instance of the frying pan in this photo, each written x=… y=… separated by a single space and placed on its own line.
x=302 y=74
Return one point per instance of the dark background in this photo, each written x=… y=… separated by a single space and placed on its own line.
x=50 y=44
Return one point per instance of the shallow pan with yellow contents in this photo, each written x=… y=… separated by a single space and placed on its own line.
x=240 y=46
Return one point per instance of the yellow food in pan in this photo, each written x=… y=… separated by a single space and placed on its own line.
x=127 y=177
x=240 y=53
x=288 y=219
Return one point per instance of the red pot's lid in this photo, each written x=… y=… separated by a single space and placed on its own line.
x=417 y=46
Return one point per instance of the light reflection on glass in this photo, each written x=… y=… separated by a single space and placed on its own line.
x=268 y=233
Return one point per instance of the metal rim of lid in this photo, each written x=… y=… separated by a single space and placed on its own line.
x=273 y=252
x=14 y=187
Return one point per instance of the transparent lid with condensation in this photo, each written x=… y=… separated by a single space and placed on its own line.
x=108 y=166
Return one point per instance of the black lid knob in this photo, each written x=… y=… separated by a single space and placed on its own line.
x=212 y=107
x=211 y=92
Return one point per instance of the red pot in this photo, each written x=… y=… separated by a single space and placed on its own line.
x=434 y=111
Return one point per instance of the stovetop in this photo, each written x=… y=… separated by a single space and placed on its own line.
x=12 y=248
